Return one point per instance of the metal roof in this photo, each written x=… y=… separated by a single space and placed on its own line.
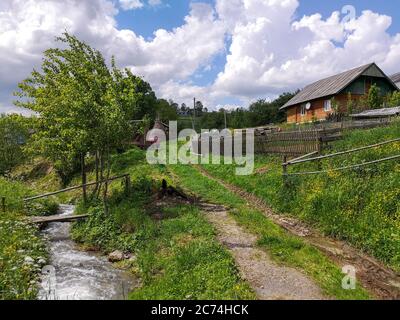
x=385 y=112
x=395 y=78
x=329 y=86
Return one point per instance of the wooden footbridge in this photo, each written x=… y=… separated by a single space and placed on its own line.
x=57 y=218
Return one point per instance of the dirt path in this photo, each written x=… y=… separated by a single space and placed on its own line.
x=381 y=281
x=267 y=279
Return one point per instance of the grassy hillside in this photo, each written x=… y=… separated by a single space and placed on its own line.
x=360 y=206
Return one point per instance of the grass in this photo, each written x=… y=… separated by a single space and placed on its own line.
x=359 y=206
x=22 y=251
x=283 y=248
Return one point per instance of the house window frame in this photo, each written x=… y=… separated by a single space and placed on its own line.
x=328 y=102
x=303 y=110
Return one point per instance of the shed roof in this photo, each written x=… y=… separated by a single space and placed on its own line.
x=334 y=84
x=376 y=113
x=395 y=77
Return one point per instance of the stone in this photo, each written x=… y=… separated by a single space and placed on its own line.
x=116 y=256
x=29 y=260
x=133 y=258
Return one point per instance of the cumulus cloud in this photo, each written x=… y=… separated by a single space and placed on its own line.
x=269 y=50
x=155 y=2
x=131 y=4
x=177 y=54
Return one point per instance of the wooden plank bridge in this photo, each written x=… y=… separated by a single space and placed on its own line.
x=57 y=218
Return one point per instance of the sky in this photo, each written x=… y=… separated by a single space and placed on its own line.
x=226 y=53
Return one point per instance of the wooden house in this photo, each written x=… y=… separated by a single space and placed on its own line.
x=314 y=102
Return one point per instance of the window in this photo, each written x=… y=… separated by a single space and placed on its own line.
x=327 y=105
x=303 y=110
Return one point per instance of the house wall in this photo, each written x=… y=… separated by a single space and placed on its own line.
x=317 y=111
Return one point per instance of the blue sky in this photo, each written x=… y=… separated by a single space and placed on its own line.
x=171 y=14
x=225 y=52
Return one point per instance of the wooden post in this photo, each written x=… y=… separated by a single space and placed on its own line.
x=284 y=167
x=3 y=204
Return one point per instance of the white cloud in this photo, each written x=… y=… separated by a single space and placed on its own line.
x=131 y=4
x=155 y=2
x=271 y=53
x=177 y=54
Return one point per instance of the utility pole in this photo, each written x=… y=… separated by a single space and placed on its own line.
x=225 y=119
x=194 y=114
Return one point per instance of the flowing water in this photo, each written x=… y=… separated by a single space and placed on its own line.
x=78 y=275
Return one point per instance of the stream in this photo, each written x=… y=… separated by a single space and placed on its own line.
x=78 y=275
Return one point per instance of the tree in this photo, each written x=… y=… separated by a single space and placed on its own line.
x=394 y=99
x=135 y=95
x=14 y=133
x=82 y=108
x=166 y=110
x=199 y=108
x=263 y=112
x=374 y=99
x=350 y=104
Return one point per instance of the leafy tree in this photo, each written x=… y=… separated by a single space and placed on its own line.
x=166 y=110
x=199 y=108
x=14 y=133
x=374 y=98
x=83 y=110
x=135 y=95
x=264 y=112
x=394 y=99
x=350 y=104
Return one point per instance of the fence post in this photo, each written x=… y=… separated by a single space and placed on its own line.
x=3 y=204
x=285 y=172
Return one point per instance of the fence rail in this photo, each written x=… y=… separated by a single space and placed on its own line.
x=124 y=176
x=304 y=159
x=296 y=161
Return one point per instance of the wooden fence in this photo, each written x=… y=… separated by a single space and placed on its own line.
x=303 y=140
x=126 y=178
x=288 y=143
x=282 y=143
